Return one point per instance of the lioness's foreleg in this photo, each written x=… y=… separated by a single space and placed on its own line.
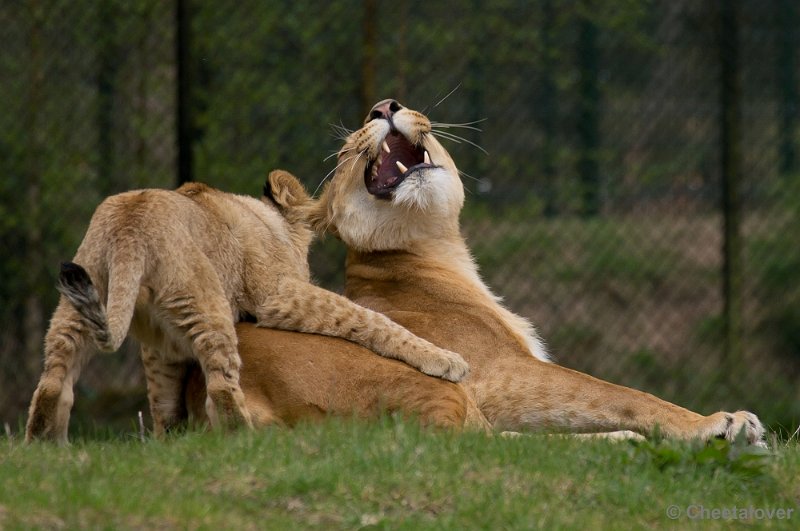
x=67 y=349
x=303 y=307
x=527 y=394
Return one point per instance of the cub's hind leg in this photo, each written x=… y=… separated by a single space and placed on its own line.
x=304 y=307
x=67 y=348
x=166 y=380
x=200 y=312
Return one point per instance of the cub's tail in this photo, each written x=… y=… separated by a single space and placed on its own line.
x=108 y=328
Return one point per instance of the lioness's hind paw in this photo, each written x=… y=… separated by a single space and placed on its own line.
x=730 y=425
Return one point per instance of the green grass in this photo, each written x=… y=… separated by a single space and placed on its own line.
x=390 y=474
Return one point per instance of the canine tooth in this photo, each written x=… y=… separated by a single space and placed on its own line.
x=385 y=146
x=426 y=158
x=400 y=165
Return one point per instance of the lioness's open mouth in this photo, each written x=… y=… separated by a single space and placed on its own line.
x=399 y=158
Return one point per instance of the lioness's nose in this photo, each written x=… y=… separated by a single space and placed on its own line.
x=384 y=109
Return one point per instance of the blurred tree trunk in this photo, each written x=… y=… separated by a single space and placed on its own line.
x=588 y=112
x=33 y=318
x=548 y=111
x=787 y=79
x=401 y=57
x=106 y=79
x=369 y=60
x=730 y=138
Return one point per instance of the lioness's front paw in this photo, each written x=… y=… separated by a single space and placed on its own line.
x=729 y=425
x=446 y=365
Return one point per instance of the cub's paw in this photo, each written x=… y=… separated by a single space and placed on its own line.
x=48 y=416
x=729 y=425
x=225 y=405
x=446 y=365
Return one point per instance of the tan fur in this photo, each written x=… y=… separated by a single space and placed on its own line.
x=181 y=267
x=408 y=260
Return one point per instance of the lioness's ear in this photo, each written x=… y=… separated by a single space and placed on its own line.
x=283 y=189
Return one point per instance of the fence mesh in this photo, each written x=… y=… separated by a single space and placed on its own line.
x=636 y=192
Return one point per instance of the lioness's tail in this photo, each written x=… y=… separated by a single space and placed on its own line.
x=108 y=329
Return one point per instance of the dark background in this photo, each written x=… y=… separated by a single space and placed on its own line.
x=639 y=198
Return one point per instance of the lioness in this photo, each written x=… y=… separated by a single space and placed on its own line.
x=395 y=201
x=180 y=268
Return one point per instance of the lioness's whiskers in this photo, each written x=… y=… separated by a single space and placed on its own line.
x=465 y=174
x=358 y=156
x=335 y=153
x=428 y=107
x=465 y=125
x=340 y=131
x=333 y=170
x=441 y=134
x=448 y=95
x=455 y=138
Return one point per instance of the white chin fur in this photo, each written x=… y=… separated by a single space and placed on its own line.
x=424 y=189
x=370 y=224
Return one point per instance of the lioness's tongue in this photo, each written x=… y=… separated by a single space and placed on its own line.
x=400 y=150
x=388 y=173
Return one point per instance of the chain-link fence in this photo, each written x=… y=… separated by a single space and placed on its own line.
x=639 y=199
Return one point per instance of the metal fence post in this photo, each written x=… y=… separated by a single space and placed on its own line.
x=588 y=115
x=33 y=318
x=787 y=80
x=183 y=104
x=106 y=86
x=730 y=140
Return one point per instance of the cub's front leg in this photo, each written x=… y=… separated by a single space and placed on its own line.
x=303 y=307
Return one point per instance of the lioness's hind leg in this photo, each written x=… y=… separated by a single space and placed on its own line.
x=165 y=383
x=67 y=348
x=303 y=307
x=528 y=394
x=206 y=320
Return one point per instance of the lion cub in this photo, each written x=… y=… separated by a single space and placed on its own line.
x=180 y=268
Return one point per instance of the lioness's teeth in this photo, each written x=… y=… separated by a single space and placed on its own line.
x=386 y=147
x=426 y=158
x=400 y=165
